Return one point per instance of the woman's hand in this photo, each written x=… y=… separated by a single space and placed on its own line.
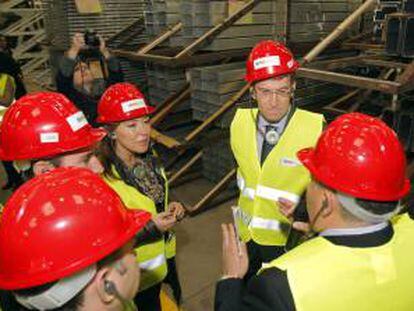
x=164 y=221
x=177 y=209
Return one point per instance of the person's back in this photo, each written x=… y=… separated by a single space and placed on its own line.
x=369 y=278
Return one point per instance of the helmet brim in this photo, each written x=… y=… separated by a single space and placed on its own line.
x=136 y=220
x=94 y=136
x=305 y=156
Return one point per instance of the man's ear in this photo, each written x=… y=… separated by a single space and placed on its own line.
x=328 y=203
x=103 y=284
x=41 y=167
x=253 y=92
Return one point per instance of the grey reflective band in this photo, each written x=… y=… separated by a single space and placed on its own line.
x=352 y=206
x=355 y=231
x=60 y=293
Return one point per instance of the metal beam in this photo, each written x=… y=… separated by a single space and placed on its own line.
x=170 y=103
x=364 y=46
x=339 y=30
x=212 y=33
x=383 y=63
x=161 y=38
x=190 y=61
x=185 y=167
x=165 y=140
x=214 y=191
x=337 y=63
x=350 y=80
x=227 y=105
x=333 y=106
x=407 y=78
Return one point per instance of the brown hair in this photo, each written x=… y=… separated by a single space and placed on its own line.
x=106 y=152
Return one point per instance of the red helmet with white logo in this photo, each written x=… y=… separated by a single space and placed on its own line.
x=269 y=59
x=361 y=156
x=59 y=223
x=122 y=102
x=42 y=125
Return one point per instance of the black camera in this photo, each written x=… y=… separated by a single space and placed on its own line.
x=91 y=39
x=91 y=49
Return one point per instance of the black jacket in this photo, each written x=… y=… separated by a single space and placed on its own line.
x=11 y=67
x=85 y=102
x=270 y=290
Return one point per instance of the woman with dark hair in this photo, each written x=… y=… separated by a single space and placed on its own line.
x=133 y=170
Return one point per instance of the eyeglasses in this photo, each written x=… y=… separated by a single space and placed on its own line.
x=267 y=93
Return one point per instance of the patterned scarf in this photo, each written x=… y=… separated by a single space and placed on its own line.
x=145 y=176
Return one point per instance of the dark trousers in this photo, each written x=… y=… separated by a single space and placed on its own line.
x=149 y=299
x=172 y=280
x=259 y=254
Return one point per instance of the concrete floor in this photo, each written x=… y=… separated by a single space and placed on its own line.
x=199 y=248
x=198 y=245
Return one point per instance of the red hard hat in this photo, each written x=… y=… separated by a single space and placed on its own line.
x=121 y=102
x=59 y=223
x=361 y=156
x=44 y=124
x=269 y=59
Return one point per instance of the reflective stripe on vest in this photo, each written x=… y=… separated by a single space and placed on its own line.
x=275 y=194
x=257 y=222
x=280 y=176
x=265 y=192
x=154 y=263
x=262 y=223
x=245 y=191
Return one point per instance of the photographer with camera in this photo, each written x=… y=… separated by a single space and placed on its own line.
x=86 y=70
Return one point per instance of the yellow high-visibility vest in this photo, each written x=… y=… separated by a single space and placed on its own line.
x=281 y=176
x=403 y=224
x=325 y=276
x=152 y=258
x=4 y=80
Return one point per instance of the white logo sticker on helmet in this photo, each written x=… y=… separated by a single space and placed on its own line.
x=133 y=104
x=77 y=121
x=268 y=61
x=51 y=137
x=290 y=63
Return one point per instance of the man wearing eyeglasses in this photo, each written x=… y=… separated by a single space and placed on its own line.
x=264 y=141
